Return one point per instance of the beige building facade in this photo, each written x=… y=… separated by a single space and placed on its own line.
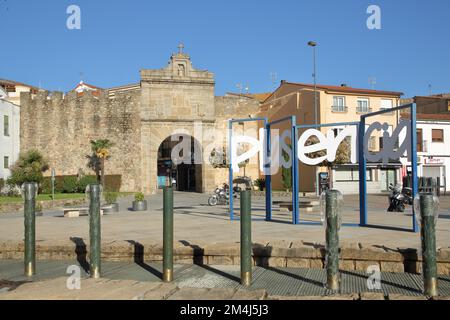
x=13 y=90
x=335 y=104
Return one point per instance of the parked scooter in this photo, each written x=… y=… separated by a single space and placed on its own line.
x=221 y=195
x=397 y=199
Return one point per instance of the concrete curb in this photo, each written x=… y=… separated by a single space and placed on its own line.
x=356 y=256
x=18 y=206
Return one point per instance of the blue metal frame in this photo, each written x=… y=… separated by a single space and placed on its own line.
x=230 y=170
x=363 y=165
x=315 y=126
x=295 y=187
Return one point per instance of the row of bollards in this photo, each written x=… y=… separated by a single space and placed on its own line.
x=29 y=190
x=426 y=211
x=426 y=206
x=246 y=239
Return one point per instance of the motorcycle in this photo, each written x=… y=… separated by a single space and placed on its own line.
x=221 y=195
x=408 y=195
x=398 y=198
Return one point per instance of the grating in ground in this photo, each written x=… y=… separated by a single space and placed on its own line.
x=276 y=281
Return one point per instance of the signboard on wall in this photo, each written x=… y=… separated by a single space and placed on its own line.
x=436 y=161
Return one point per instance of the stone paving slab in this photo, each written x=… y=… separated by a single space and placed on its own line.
x=203 y=294
x=162 y=292
x=212 y=225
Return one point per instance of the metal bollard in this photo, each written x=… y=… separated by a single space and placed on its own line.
x=29 y=190
x=246 y=238
x=95 y=231
x=331 y=216
x=168 y=234
x=428 y=208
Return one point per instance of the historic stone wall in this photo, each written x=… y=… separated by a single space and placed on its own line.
x=237 y=107
x=137 y=119
x=62 y=127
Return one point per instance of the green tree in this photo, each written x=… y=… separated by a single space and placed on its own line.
x=342 y=155
x=100 y=153
x=28 y=168
x=218 y=158
x=286 y=173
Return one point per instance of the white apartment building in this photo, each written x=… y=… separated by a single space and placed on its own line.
x=433 y=148
x=9 y=134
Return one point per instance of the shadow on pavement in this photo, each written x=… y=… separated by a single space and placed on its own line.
x=139 y=259
x=387 y=228
x=220 y=273
x=296 y=276
x=198 y=260
x=81 y=252
x=383 y=282
x=11 y=285
x=197 y=252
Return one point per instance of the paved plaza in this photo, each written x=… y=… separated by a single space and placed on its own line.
x=196 y=222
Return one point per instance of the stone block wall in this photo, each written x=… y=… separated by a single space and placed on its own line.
x=62 y=127
x=298 y=254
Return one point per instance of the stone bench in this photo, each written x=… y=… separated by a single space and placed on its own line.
x=77 y=212
x=307 y=206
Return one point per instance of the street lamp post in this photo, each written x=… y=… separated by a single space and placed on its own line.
x=313 y=44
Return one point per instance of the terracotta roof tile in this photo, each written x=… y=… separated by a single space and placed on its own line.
x=347 y=89
x=16 y=83
x=344 y=89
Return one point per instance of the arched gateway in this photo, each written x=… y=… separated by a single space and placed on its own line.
x=181 y=170
x=179 y=100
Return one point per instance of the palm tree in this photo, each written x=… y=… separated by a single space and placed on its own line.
x=100 y=153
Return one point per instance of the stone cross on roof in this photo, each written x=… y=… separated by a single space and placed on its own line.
x=180 y=48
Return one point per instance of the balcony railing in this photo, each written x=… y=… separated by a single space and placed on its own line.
x=340 y=109
x=363 y=110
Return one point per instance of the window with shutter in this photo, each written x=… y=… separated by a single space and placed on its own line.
x=386 y=104
x=419 y=140
x=437 y=135
x=6 y=126
x=372 y=144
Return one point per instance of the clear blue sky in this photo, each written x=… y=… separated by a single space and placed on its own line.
x=240 y=41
